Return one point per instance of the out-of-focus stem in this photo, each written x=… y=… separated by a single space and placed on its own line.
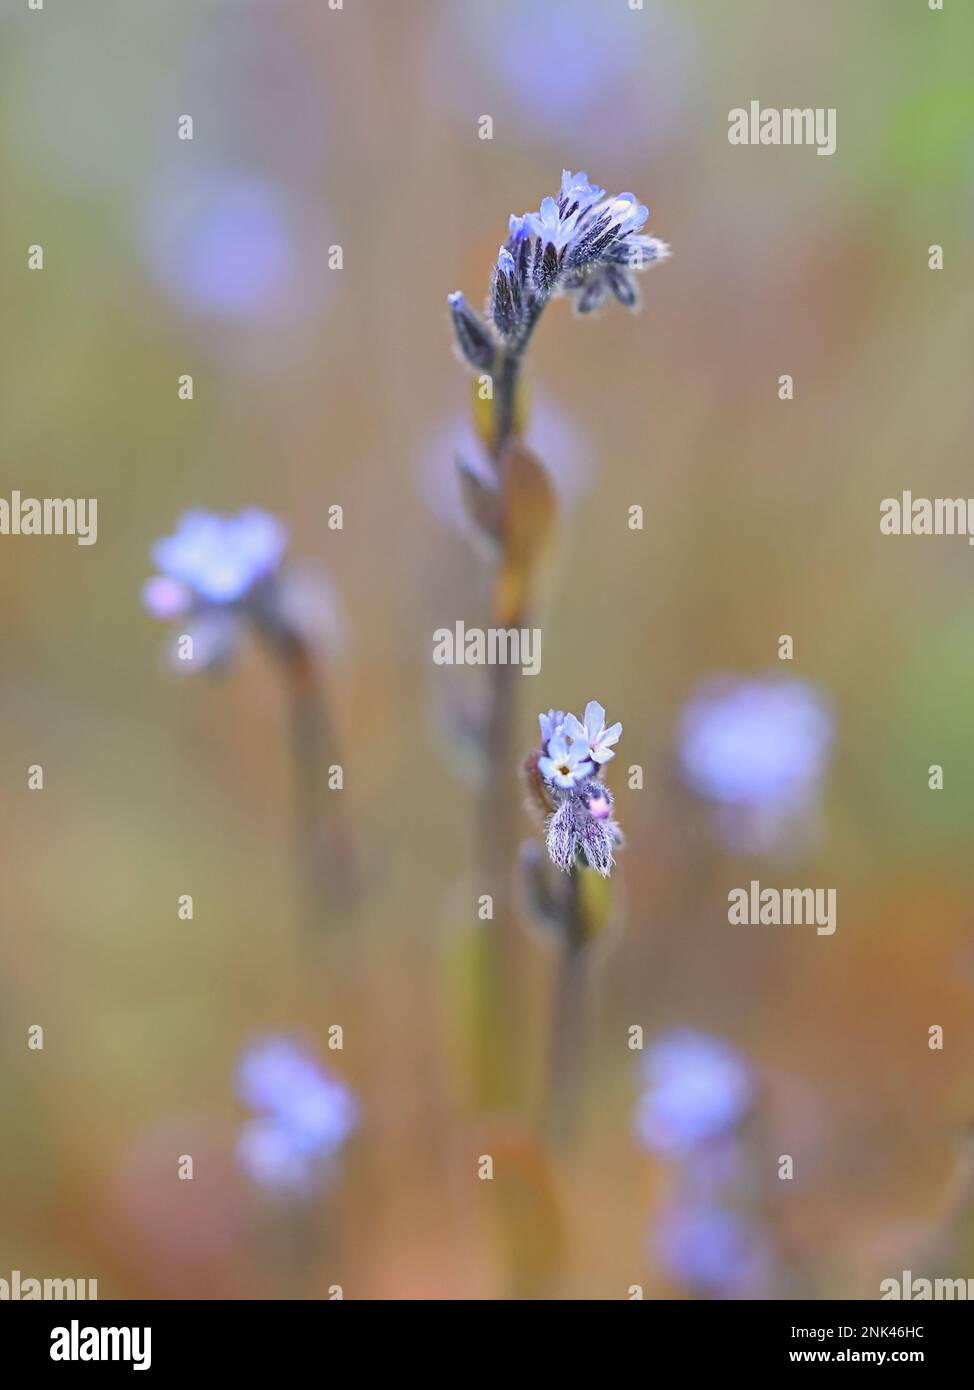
x=567 y=1033
x=324 y=848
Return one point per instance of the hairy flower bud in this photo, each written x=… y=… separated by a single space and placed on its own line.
x=472 y=334
x=505 y=295
x=596 y=843
x=562 y=836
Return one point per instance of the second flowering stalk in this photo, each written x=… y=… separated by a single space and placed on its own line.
x=566 y=779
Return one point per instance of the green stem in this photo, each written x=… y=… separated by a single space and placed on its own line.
x=505 y=401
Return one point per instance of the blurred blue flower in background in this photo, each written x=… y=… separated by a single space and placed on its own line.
x=305 y=1116
x=759 y=747
x=711 y=1251
x=220 y=244
x=216 y=558
x=223 y=573
x=571 y=71
x=698 y=1088
x=211 y=566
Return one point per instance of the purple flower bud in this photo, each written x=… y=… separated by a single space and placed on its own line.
x=505 y=295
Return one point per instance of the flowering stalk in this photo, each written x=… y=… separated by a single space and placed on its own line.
x=582 y=244
x=566 y=780
x=587 y=246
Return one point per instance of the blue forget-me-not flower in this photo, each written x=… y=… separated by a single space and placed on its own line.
x=592 y=734
x=565 y=763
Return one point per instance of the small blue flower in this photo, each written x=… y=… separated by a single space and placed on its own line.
x=566 y=763
x=593 y=734
x=577 y=191
x=305 y=1114
x=219 y=559
x=625 y=213
x=517 y=229
x=697 y=1088
x=548 y=225
x=551 y=724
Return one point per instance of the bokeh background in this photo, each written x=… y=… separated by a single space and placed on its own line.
x=316 y=387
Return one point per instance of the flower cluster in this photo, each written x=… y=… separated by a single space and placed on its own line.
x=581 y=243
x=567 y=773
x=304 y=1116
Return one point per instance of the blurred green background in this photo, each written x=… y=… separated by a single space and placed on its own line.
x=313 y=387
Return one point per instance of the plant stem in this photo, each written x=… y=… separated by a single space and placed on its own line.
x=324 y=850
x=499 y=1005
x=505 y=402
x=566 y=1045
